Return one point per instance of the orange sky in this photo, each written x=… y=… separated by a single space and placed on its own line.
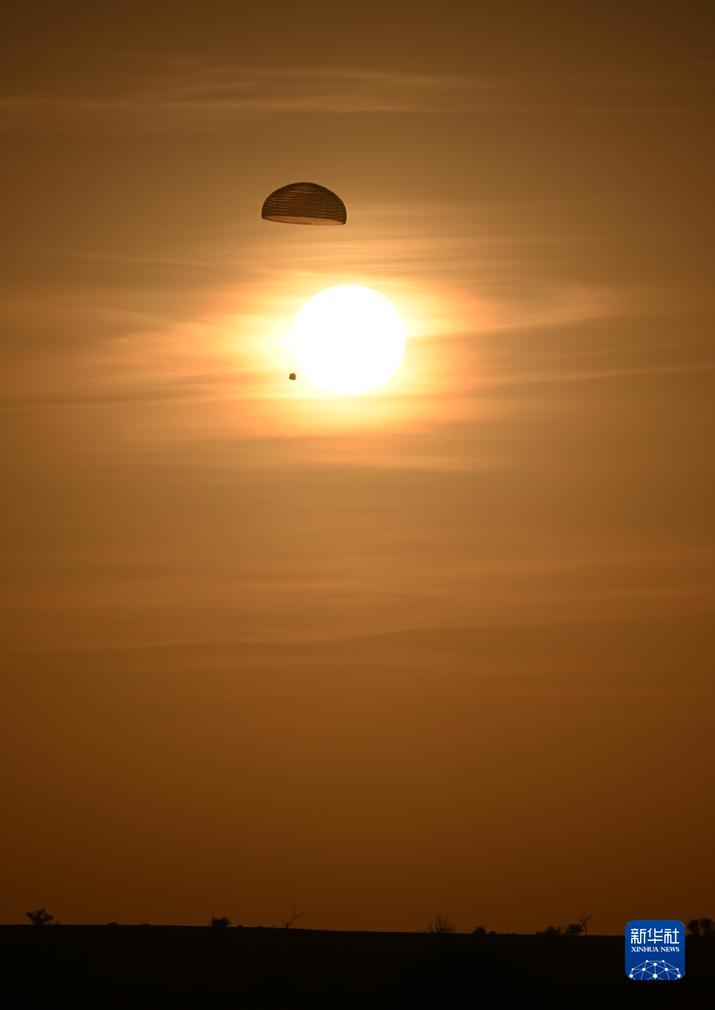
x=442 y=647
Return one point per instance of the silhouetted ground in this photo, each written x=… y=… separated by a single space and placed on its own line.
x=277 y=969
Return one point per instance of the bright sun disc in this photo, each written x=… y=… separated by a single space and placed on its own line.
x=348 y=339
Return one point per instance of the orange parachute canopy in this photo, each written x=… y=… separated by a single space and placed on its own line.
x=304 y=203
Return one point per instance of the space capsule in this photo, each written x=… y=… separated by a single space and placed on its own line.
x=304 y=203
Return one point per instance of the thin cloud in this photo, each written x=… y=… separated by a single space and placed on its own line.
x=190 y=97
x=184 y=95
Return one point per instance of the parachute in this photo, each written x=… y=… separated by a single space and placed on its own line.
x=304 y=203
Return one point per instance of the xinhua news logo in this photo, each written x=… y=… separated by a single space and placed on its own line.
x=655 y=950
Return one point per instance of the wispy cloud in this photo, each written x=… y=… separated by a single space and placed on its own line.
x=189 y=96
x=167 y=94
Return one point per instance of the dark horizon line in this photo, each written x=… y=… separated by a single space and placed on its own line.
x=307 y=929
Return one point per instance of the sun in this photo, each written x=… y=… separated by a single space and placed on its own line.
x=348 y=339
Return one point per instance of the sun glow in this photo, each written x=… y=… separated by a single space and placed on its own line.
x=348 y=339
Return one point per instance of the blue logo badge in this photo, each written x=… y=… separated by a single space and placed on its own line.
x=655 y=950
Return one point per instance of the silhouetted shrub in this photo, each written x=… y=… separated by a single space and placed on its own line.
x=291 y=920
x=40 y=917
x=440 y=924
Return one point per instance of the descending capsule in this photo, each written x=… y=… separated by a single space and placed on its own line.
x=304 y=203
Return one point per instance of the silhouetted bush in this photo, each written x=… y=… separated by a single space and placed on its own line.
x=40 y=917
x=291 y=920
x=573 y=928
x=440 y=924
x=219 y=922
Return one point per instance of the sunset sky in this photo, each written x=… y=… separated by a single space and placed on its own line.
x=446 y=646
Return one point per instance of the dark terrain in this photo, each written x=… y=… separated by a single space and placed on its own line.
x=277 y=969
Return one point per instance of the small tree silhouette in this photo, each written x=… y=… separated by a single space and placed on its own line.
x=440 y=924
x=40 y=917
x=553 y=931
x=574 y=929
x=219 y=922
x=291 y=920
x=584 y=921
